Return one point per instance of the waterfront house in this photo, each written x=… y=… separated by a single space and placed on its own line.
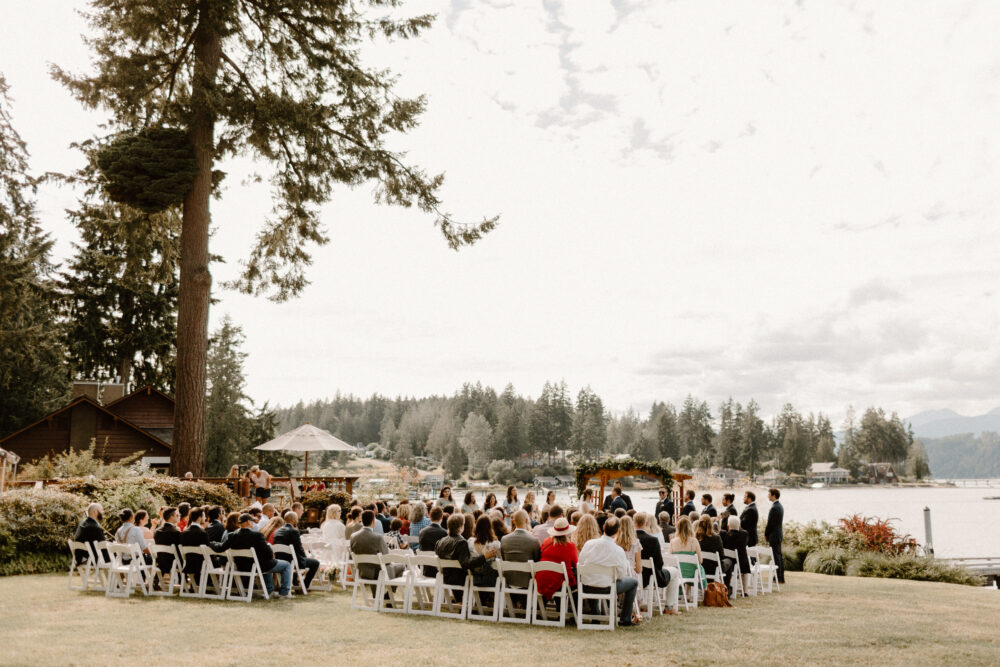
x=879 y=473
x=828 y=473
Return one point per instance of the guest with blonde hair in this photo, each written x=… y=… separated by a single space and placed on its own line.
x=586 y=530
x=629 y=542
x=271 y=528
x=333 y=528
x=684 y=542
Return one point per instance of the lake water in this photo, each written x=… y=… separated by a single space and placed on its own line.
x=963 y=522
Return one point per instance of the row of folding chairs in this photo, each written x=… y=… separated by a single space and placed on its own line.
x=120 y=569
x=762 y=577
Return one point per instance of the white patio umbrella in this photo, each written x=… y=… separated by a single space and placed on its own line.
x=307 y=438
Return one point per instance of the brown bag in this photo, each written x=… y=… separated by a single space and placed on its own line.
x=716 y=595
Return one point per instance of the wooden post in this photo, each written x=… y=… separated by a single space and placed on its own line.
x=306 y=474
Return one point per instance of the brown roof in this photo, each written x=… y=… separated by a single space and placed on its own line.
x=148 y=389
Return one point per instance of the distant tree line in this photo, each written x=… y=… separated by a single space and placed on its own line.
x=476 y=427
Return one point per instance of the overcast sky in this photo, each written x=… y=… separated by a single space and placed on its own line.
x=791 y=201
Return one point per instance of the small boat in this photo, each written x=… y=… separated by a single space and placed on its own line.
x=817 y=485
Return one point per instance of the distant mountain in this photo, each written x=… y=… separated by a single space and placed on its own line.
x=964 y=456
x=943 y=423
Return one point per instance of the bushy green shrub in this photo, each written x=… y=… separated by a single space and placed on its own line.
x=794 y=557
x=7 y=545
x=320 y=500
x=133 y=496
x=908 y=566
x=40 y=520
x=502 y=471
x=30 y=562
x=81 y=463
x=831 y=560
x=171 y=490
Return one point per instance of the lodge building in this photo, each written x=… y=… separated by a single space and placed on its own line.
x=121 y=425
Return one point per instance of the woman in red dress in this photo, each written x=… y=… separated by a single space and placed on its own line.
x=558 y=549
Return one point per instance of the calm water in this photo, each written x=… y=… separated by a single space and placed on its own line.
x=963 y=522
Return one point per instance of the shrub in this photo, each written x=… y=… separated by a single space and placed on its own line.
x=133 y=496
x=502 y=471
x=7 y=545
x=832 y=560
x=34 y=563
x=909 y=566
x=81 y=463
x=320 y=500
x=794 y=556
x=878 y=534
x=171 y=490
x=40 y=520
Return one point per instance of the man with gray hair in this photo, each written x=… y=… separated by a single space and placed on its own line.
x=737 y=539
x=667 y=529
x=520 y=546
x=90 y=530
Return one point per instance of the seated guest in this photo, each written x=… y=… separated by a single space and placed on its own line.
x=604 y=551
x=247 y=538
x=382 y=516
x=453 y=547
x=271 y=528
x=533 y=515
x=267 y=513
x=183 y=509
x=470 y=526
x=629 y=542
x=231 y=525
x=430 y=535
x=541 y=531
x=574 y=518
x=404 y=515
x=601 y=518
x=333 y=527
x=418 y=519
x=558 y=548
x=619 y=513
x=519 y=546
x=483 y=540
x=366 y=543
x=129 y=533
x=586 y=530
x=289 y=535
x=393 y=539
x=710 y=542
x=168 y=535
x=650 y=549
x=194 y=535
x=736 y=539
x=299 y=509
x=142 y=520
x=353 y=522
x=684 y=542
x=499 y=526
x=215 y=527
x=666 y=528
x=90 y=530
x=259 y=521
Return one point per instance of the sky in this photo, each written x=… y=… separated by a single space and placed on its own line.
x=785 y=201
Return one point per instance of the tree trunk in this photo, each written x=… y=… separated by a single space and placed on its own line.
x=195 y=280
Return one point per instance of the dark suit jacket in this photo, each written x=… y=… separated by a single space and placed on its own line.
x=215 y=531
x=748 y=521
x=247 y=538
x=427 y=541
x=88 y=531
x=366 y=543
x=628 y=501
x=289 y=534
x=193 y=536
x=618 y=503
x=167 y=535
x=457 y=548
x=651 y=549
x=664 y=506
x=688 y=508
x=610 y=498
x=710 y=510
x=726 y=512
x=772 y=529
x=711 y=544
x=737 y=540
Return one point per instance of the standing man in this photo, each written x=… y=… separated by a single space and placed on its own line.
x=772 y=531
x=664 y=504
x=706 y=502
x=728 y=509
x=749 y=518
x=689 y=505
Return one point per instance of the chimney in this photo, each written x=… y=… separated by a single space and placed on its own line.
x=112 y=392
x=100 y=392
x=89 y=389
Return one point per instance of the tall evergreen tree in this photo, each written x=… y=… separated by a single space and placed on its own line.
x=283 y=82
x=476 y=440
x=590 y=429
x=753 y=435
x=510 y=435
x=666 y=433
x=34 y=376
x=121 y=289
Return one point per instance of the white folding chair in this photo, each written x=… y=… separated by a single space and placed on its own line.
x=690 y=596
x=736 y=576
x=216 y=575
x=102 y=563
x=648 y=596
x=359 y=597
x=174 y=576
x=322 y=551
x=562 y=598
x=477 y=611
x=672 y=595
x=342 y=560
x=393 y=586
x=509 y=613
x=756 y=585
x=607 y=616
x=768 y=570
x=190 y=582
x=237 y=575
x=423 y=590
x=85 y=570
x=712 y=557
x=446 y=608
x=128 y=570
x=288 y=550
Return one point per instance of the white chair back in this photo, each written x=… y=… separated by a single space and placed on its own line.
x=562 y=598
x=606 y=617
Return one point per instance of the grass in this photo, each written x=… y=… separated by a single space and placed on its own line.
x=815 y=620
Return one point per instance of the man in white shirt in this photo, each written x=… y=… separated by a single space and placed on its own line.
x=267 y=513
x=604 y=551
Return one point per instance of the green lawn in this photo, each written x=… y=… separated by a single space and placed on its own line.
x=816 y=619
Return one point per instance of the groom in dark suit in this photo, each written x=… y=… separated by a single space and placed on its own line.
x=772 y=531
x=749 y=518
